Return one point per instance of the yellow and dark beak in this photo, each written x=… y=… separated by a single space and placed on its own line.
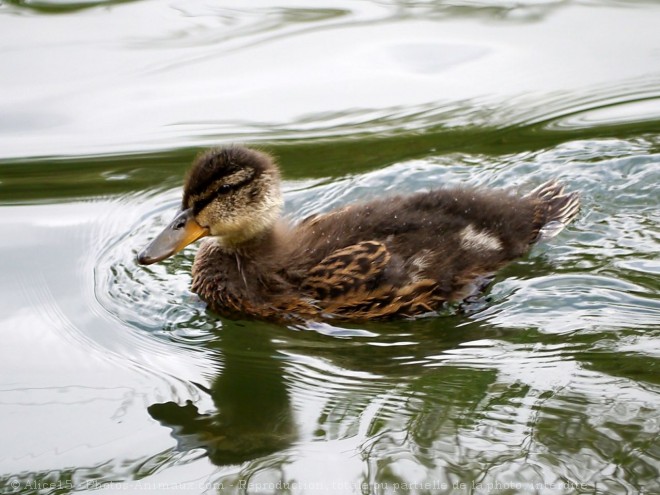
x=181 y=231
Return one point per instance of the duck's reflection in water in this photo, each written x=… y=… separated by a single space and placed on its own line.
x=253 y=415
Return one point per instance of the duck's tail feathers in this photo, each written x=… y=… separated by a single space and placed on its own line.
x=558 y=209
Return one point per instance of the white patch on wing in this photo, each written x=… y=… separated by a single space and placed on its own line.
x=477 y=240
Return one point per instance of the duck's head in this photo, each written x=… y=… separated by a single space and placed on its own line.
x=232 y=193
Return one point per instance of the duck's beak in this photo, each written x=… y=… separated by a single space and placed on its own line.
x=181 y=231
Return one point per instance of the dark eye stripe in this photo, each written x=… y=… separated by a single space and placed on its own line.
x=202 y=201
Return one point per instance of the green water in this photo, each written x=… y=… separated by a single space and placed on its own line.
x=114 y=378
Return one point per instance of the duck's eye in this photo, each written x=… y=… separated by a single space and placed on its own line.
x=224 y=189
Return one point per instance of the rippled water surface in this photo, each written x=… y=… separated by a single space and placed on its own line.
x=116 y=377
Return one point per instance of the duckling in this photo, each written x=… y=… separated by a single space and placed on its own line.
x=399 y=256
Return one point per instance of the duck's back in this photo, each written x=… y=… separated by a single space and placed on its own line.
x=409 y=254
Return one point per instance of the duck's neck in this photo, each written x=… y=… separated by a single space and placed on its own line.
x=257 y=246
x=230 y=275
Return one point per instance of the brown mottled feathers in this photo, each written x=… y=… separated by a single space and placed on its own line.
x=354 y=280
x=348 y=271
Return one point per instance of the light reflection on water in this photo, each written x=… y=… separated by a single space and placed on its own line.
x=114 y=372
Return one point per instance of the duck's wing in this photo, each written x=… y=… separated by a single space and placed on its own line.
x=355 y=269
x=365 y=280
